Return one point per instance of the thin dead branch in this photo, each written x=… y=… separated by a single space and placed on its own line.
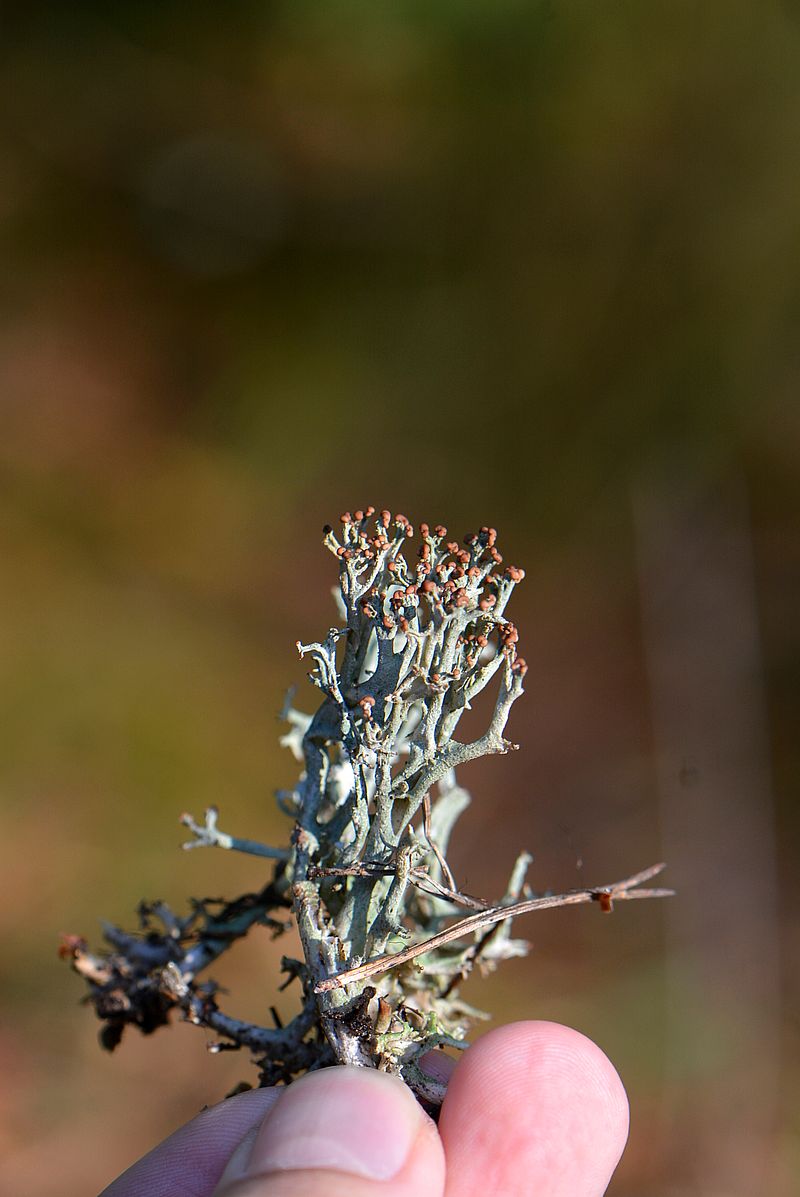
x=606 y=895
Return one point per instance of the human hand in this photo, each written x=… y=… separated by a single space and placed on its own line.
x=532 y=1110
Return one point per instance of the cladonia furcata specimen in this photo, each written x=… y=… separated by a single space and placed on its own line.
x=388 y=936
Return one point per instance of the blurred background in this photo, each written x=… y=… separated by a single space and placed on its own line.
x=533 y=264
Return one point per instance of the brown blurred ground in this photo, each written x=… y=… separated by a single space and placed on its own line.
x=532 y=264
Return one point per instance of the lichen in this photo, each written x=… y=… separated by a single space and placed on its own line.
x=365 y=875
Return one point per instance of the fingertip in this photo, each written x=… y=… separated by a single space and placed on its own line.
x=534 y=1104
x=569 y=1060
x=348 y=1132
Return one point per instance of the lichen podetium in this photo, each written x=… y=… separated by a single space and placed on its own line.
x=365 y=874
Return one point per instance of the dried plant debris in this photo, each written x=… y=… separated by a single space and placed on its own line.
x=387 y=934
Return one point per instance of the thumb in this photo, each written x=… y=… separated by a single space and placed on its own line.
x=339 y=1132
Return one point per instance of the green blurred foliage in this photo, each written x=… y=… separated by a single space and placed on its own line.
x=265 y=261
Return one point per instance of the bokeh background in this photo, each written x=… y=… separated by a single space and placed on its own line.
x=533 y=263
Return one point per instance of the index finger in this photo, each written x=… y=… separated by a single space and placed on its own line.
x=533 y=1109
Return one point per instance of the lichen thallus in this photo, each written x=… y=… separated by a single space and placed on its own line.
x=365 y=874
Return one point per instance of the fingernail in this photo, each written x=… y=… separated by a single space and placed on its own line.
x=353 y=1120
